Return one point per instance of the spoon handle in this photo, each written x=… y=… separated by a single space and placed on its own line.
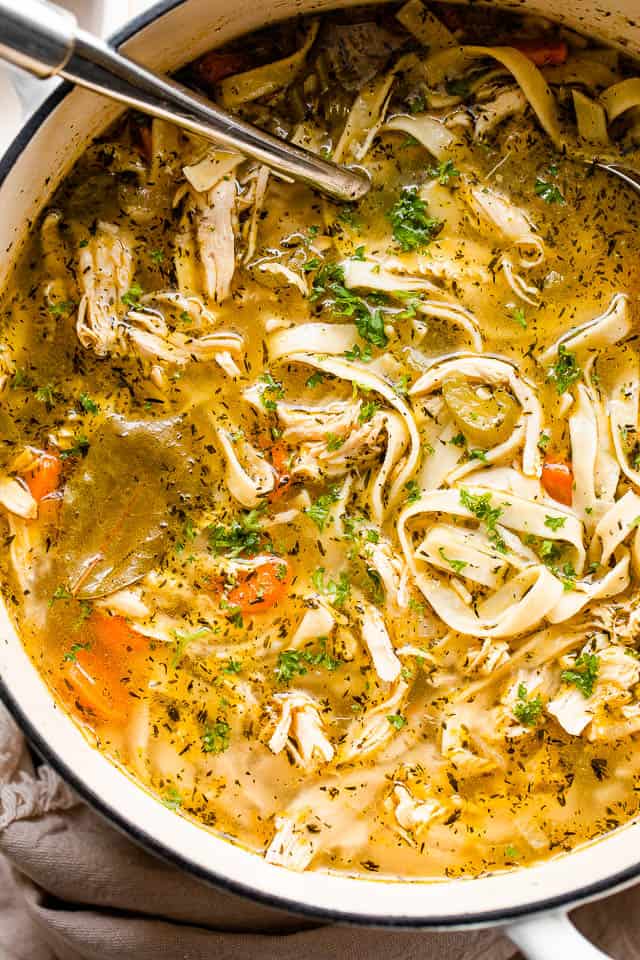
x=44 y=39
x=629 y=176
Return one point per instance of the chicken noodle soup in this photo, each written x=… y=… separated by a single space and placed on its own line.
x=323 y=521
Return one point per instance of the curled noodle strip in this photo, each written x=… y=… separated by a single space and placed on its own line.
x=514 y=607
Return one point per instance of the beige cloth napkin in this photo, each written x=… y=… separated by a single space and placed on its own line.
x=73 y=888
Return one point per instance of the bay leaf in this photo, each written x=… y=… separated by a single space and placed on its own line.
x=119 y=505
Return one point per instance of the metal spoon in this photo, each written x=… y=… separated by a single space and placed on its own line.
x=626 y=174
x=45 y=39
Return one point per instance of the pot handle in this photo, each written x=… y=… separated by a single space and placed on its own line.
x=552 y=936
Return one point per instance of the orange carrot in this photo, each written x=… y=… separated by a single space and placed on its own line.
x=102 y=658
x=557 y=479
x=43 y=478
x=261 y=588
x=86 y=689
x=115 y=633
x=280 y=461
x=544 y=53
x=215 y=66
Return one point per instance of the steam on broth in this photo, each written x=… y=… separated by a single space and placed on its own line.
x=323 y=520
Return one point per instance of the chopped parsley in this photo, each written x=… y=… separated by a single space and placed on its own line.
x=157 y=256
x=334 y=442
x=544 y=441
x=456 y=565
x=241 y=536
x=368 y=410
x=555 y=523
x=61 y=307
x=413 y=228
x=396 y=720
x=401 y=386
x=527 y=711
x=60 y=593
x=87 y=404
x=444 y=172
x=459 y=440
x=71 y=656
x=293 y=663
x=565 y=371
x=358 y=254
x=189 y=534
x=319 y=511
x=271 y=392
x=132 y=297
x=216 y=738
x=478 y=454
x=480 y=506
x=413 y=491
x=517 y=315
x=80 y=448
x=232 y=666
x=172 y=799
x=547 y=191
x=46 y=395
x=20 y=379
x=329 y=282
x=182 y=641
x=315 y=379
x=583 y=674
x=356 y=353
x=338 y=590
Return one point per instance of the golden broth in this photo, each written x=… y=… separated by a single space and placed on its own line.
x=165 y=610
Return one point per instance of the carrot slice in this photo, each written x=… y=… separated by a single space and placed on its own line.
x=86 y=690
x=215 y=66
x=557 y=479
x=115 y=633
x=261 y=588
x=94 y=678
x=280 y=461
x=43 y=478
x=542 y=52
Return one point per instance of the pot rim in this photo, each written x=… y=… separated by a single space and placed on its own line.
x=151 y=843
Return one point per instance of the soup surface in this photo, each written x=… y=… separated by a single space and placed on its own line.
x=322 y=520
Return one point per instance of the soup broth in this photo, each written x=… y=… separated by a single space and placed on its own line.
x=323 y=520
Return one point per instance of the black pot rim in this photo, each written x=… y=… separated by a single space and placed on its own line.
x=151 y=843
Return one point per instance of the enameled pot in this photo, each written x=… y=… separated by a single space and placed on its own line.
x=533 y=901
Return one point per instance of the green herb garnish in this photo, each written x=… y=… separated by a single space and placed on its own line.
x=319 y=511
x=413 y=228
x=583 y=674
x=216 y=738
x=456 y=565
x=565 y=371
x=527 y=711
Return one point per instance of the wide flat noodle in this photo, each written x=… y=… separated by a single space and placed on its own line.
x=532 y=82
x=591 y=118
x=262 y=81
x=431 y=133
x=621 y=97
x=425 y=27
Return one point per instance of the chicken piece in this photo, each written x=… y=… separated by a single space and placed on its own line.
x=299 y=729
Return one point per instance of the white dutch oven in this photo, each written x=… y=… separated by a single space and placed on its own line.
x=532 y=902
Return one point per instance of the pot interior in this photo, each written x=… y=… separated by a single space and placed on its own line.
x=170 y=35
